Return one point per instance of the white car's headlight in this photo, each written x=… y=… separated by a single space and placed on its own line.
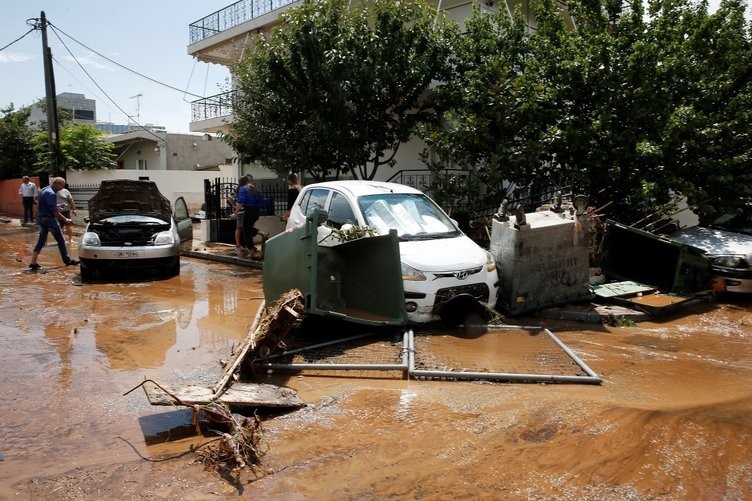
x=410 y=273
x=164 y=238
x=490 y=262
x=90 y=239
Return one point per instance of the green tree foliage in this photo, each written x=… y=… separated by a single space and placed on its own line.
x=628 y=107
x=337 y=89
x=16 y=151
x=82 y=147
x=496 y=110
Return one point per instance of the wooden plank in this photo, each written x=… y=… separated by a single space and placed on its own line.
x=233 y=365
x=239 y=394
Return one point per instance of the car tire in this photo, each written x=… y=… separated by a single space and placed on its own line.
x=174 y=269
x=87 y=273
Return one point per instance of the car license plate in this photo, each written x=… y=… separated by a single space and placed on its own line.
x=128 y=253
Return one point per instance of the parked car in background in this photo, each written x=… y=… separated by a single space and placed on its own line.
x=728 y=244
x=132 y=226
x=442 y=269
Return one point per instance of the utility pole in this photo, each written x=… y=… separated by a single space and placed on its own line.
x=53 y=128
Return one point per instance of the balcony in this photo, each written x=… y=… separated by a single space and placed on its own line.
x=232 y=16
x=213 y=113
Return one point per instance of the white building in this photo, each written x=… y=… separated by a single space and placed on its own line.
x=83 y=110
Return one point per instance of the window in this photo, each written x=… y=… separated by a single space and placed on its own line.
x=142 y=165
x=340 y=211
x=83 y=114
x=314 y=199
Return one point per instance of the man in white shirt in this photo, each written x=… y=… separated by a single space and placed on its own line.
x=28 y=192
x=66 y=204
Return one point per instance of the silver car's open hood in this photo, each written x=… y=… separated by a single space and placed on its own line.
x=125 y=196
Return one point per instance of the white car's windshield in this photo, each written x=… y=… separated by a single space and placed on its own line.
x=414 y=216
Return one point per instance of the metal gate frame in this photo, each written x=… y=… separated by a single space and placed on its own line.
x=408 y=363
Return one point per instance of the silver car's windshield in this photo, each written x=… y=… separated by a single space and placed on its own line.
x=414 y=216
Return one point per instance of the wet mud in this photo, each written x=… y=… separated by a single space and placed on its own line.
x=671 y=420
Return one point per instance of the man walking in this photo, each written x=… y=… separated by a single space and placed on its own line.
x=28 y=192
x=49 y=214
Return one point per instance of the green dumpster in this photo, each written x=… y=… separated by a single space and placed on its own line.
x=358 y=281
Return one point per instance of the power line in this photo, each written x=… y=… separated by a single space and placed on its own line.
x=100 y=87
x=56 y=29
x=88 y=89
x=18 y=39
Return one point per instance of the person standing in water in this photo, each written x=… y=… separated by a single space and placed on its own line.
x=49 y=220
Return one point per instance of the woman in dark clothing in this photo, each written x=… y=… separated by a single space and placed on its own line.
x=293 y=189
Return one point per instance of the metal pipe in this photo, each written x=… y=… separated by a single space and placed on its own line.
x=592 y=378
x=537 y=378
x=324 y=366
x=320 y=345
x=574 y=357
x=337 y=367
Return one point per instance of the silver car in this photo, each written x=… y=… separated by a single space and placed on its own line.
x=728 y=244
x=132 y=226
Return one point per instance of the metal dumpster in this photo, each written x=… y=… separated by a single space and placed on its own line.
x=542 y=262
x=649 y=272
x=632 y=254
x=358 y=281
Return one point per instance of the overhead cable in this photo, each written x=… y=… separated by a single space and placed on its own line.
x=17 y=39
x=56 y=29
x=101 y=89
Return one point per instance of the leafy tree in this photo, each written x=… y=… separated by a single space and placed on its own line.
x=706 y=147
x=16 y=151
x=82 y=147
x=628 y=107
x=499 y=109
x=338 y=88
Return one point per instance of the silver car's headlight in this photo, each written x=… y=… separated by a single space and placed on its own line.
x=410 y=273
x=164 y=238
x=730 y=262
x=90 y=239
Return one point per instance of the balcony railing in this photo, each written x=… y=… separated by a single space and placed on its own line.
x=212 y=107
x=232 y=16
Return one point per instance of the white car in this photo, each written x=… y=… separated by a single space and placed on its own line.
x=440 y=264
x=131 y=226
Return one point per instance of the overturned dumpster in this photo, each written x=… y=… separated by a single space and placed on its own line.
x=357 y=280
x=650 y=272
x=543 y=257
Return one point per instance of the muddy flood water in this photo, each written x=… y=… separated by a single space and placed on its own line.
x=672 y=418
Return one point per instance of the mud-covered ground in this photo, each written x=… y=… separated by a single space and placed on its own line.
x=671 y=420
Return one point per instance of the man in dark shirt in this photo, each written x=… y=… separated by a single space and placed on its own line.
x=49 y=214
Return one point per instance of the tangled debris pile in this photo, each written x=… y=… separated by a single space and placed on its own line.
x=239 y=436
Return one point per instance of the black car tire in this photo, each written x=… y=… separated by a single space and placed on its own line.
x=87 y=273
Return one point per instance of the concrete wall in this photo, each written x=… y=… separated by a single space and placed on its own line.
x=190 y=152
x=186 y=184
x=144 y=150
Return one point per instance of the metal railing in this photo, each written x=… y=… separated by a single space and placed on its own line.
x=82 y=193
x=231 y=16
x=219 y=105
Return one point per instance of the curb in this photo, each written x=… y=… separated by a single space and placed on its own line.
x=222 y=258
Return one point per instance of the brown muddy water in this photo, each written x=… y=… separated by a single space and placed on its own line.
x=671 y=419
